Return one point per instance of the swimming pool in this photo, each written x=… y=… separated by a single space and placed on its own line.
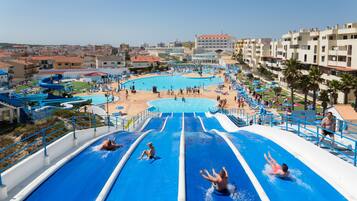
x=174 y=82
x=97 y=99
x=189 y=105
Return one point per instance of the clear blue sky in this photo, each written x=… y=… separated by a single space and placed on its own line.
x=152 y=21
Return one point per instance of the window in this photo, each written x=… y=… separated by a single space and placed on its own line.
x=330 y=37
x=323 y=48
x=345 y=37
x=323 y=37
x=305 y=58
x=323 y=59
x=105 y=63
x=342 y=58
x=315 y=58
x=66 y=64
x=308 y=47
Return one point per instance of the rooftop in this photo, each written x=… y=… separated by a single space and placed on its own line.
x=214 y=36
x=140 y=58
x=58 y=59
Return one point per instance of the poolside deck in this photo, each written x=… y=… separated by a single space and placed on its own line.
x=135 y=103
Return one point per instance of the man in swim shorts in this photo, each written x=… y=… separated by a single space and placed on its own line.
x=150 y=153
x=109 y=145
x=328 y=125
x=219 y=181
x=280 y=171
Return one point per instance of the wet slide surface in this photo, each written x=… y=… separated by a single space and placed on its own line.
x=152 y=179
x=155 y=123
x=83 y=177
x=212 y=123
x=305 y=185
x=207 y=151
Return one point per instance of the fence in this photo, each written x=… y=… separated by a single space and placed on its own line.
x=33 y=142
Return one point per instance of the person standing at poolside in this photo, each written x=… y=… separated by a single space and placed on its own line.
x=328 y=125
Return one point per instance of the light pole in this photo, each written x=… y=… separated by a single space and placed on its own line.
x=107 y=96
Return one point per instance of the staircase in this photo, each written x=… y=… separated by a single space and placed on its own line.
x=236 y=121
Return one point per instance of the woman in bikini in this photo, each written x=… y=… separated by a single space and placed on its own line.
x=278 y=170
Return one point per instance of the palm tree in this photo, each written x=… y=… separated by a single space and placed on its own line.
x=304 y=85
x=315 y=79
x=355 y=93
x=346 y=86
x=277 y=90
x=324 y=98
x=292 y=75
x=333 y=88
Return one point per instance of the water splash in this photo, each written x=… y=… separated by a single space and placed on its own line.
x=233 y=194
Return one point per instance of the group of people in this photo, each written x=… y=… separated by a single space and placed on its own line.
x=240 y=101
x=111 y=145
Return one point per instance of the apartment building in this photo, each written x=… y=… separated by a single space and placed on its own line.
x=333 y=49
x=21 y=70
x=213 y=42
x=255 y=50
x=238 y=46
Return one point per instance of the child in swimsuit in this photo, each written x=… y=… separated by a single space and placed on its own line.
x=150 y=153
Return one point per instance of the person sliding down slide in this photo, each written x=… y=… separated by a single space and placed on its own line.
x=219 y=181
x=109 y=145
x=280 y=171
x=150 y=153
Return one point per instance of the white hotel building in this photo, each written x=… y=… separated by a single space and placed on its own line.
x=213 y=42
x=333 y=49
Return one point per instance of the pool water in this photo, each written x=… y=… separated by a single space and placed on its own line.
x=189 y=105
x=174 y=82
x=97 y=99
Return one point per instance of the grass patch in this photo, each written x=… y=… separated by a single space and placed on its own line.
x=79 y=87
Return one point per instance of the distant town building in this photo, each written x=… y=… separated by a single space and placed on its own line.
x=57 y=62
x=161 y=44
x=22 y=70
x=110 y=62
x=140 y=61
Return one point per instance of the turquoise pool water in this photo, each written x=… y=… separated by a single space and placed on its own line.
x=97 y=99
x=174 y=82
x=190 y=105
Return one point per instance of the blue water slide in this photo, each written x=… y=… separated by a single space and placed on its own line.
x=152 y=179
x=305 y=183
x=48 y=82
x=83 y=177
x=154 y=123
x=207 y=151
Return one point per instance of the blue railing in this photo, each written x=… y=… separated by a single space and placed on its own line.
x=38 y=140
x=345 y=147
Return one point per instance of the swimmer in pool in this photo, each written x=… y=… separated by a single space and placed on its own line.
x=280 y=171
x=109 y=145
x=150 y=153
x=219 y=181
